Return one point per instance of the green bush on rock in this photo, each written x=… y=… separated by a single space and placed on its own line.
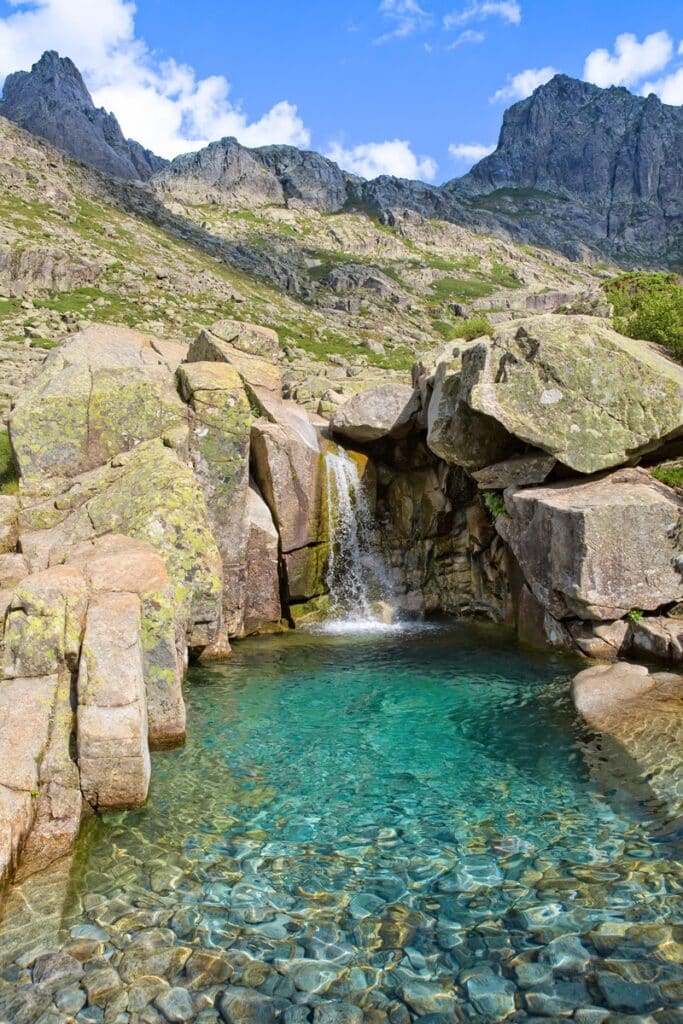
x=8 y=469
x=649 y=307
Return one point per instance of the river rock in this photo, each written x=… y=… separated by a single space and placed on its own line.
x=382 y=411
x=113 y=751
x=306 y=571
x=604 y=687
x=455 y=432
x=576 y=389
x=102 y=393
x=290 y=475
x=599 y=548
x=220 y=425
x=262 y=602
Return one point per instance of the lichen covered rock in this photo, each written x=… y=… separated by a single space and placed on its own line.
x=100 y=394
x=45 y=623
x=576 y=389
x=382 y=411
x=262 y=610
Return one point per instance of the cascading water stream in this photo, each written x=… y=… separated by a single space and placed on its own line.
x=359 y=584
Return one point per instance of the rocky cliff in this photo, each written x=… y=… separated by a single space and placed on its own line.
x=52 y=101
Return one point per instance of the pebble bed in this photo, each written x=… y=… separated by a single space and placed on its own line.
x=384 y=829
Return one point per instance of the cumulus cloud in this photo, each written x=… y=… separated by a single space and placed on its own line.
x=395 y=157
x=160 y=103
x=669 y=88
x=406 y=16
x=467 y=38
x=521 y=85
x=631 y=60
x=508 y=10
x=469 y=152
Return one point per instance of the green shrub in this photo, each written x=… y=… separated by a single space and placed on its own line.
x=471 y=328
x=650 y=307
x=493 y=503
x=635 y=615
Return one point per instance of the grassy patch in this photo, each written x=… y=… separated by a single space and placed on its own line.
x=9 y=481
x=473 y=327
x=650 y=307
x=450 y=289
x=669 y=473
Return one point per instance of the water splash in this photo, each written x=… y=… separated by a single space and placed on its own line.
x=358 y=581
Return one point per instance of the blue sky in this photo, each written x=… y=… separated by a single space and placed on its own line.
x=413 y=87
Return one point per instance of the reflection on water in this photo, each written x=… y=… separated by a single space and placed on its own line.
x=396 y=820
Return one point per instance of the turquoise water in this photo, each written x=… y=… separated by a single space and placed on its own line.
x=403 y=814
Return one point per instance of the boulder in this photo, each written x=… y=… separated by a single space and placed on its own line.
x=251 y=351
x=113 y=751
x=382 y=411
x=597 y=549
x=59 y=804
x=517 y=471
x=101 y=393
x=45 y=622
x=456 y=433
x=602 y=640
x=13 y=569
x=658 y=637
x=262 y=607
x=576 y=389
x=118 y=564
x=220 y=424
x=148 y=494
x=290 y=475
x=603 y=688
x=26 y=707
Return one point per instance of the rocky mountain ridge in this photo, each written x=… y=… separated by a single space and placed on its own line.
x=52 y=101
x=592 y=173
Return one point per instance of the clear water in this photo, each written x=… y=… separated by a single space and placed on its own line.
x=403 y=809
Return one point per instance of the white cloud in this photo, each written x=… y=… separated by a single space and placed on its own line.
x=406 y=16
x=521 y=85
x=469 y=152
x=466 y=38
x=162 y=104
x=631 y=60
x=508 y=10
x=374 y=158
x=669 y=89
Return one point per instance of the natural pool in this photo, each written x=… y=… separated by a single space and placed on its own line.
x=402 y=822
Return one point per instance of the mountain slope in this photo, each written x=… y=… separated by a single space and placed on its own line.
x=52 y=101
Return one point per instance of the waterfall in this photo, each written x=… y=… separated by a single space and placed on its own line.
x=358 y=582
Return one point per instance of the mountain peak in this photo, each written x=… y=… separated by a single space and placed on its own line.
x=52 y=101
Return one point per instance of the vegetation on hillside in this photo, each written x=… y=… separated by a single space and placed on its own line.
x=649 y=306
x=8 y=469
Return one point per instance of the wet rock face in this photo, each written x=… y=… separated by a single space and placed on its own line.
x=597 y=549
x=52 y=101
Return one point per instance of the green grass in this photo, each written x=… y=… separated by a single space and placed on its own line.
x=450 y=289
x=471 y=328
x=9 y=481
x=494 y=504
x=669 y=473
x=649 y=306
